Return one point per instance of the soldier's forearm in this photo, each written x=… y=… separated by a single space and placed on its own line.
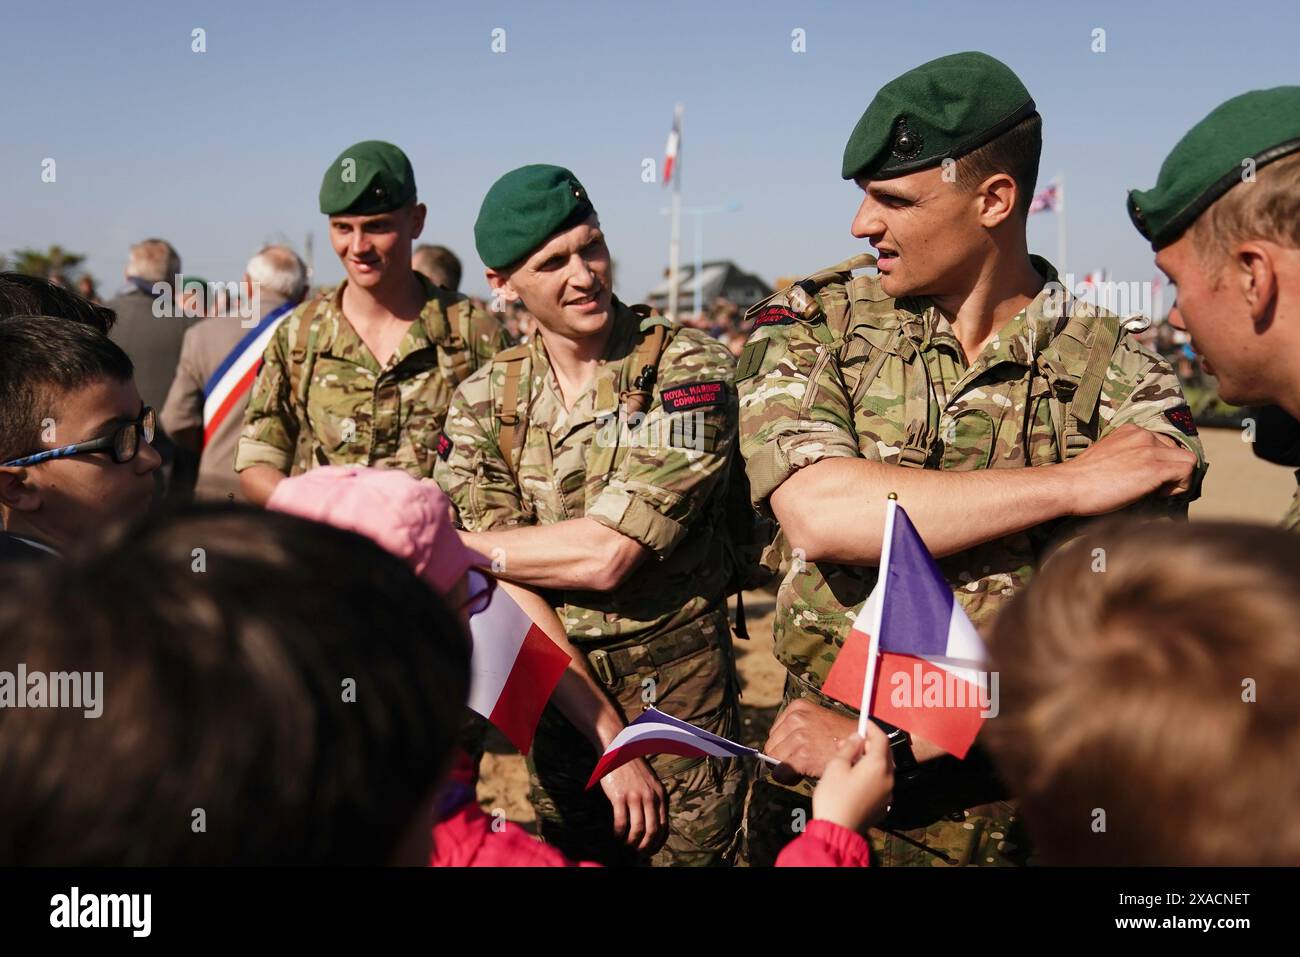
x=834 y=510
x=257 y=482
x=576 y=554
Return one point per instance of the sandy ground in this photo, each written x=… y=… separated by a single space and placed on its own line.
x=1237 y=486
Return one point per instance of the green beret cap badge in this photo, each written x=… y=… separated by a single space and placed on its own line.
x=525 y=208
x=367 y=179
x=941 y=109
x=1245 y=133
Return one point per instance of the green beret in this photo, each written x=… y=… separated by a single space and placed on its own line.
x=524 y=208
x=368 y=178
x=1263 y=125
x=944 y=108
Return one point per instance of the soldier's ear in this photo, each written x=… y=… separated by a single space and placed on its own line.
x=418 y=213
x=500 y=285
x=1257 y=277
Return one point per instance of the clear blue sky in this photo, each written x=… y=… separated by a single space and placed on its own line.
x=222 y=151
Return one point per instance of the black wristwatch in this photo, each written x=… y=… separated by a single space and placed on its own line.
x=900 y=749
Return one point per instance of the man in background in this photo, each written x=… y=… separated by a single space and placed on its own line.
x=204 y=411
x=438 y=263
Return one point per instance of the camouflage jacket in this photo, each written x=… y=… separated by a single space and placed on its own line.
x=658 y=481
x=808 y=393
x=356 y=412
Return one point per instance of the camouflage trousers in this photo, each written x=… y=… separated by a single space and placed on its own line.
x=705 y=796
x=934 y=821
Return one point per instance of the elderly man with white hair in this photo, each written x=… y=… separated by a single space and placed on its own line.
x=204 y=411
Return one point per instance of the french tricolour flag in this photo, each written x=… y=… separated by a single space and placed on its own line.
x=654 y=732
x=229 y=384
x=513 y=669
x=674 y=145
x=930 y=678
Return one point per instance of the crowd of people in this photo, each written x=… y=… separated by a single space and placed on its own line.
x=262 y=519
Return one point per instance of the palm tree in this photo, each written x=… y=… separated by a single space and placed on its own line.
x=56 y=261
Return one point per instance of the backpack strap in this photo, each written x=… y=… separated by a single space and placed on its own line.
x=643 y=366
x=1075 y=366
x=512 y=415
x=456 y=342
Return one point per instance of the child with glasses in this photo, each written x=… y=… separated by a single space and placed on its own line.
x=75 y=437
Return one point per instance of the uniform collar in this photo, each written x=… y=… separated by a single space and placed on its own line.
x=1020 y=341
x=600 y=397
x=340 y=339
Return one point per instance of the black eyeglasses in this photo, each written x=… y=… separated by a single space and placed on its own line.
x=124 y=443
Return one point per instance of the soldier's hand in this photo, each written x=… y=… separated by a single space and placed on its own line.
x=858 y=783
x=640 y=805
x=807 y=736
x=1125 y=466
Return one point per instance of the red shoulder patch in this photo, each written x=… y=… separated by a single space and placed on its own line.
x=1182 y=419
x=444 y=446
x=697 y=395
x=774 y=316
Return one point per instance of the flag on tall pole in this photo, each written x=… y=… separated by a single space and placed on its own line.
x=1051 y=199
x=674 y=144
x=672 y=164
x=915 y=635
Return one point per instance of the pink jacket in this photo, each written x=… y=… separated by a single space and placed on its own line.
x=825 y=844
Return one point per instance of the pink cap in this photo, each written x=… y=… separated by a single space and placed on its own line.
x=408 y=517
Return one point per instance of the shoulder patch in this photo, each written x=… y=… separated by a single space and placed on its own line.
x=775 y=316
x=694 y=395
x=445 y=446
x=1182 y=419
x=751 y=359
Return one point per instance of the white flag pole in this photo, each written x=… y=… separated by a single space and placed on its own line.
x=891 y=505
x=675 y=241
x=1060 y=226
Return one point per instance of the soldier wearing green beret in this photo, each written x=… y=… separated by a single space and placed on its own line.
x=962 y=377
x=1224 y=221
x=591 y=465
x=363 y=373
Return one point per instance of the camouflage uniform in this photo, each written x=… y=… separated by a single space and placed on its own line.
x=852 y=373
x=662 y=637
x=358 y=413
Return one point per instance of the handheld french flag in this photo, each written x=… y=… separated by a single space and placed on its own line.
x=654 y=732
x=931 y=660
x=514 y=668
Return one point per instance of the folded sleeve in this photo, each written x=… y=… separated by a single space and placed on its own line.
x=679 y=452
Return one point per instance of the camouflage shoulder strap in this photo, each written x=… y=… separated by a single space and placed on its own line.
x=302 y=357
x=512 y=414
x=1074 y=366
x=637 y=378
x=457 y=342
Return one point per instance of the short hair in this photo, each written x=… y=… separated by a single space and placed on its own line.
x=1268 y=208
x=153 y=260
x=279 y=269
x=438 y=263
x=303 y=688
x=1149 y=674
x=1016 y=153
x=42 y=358
x=22 y=295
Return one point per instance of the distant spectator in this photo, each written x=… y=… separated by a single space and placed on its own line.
x=74 y=435
x=154 y=344
x=302 y=695
x=438 y=263
x=22 y=295
x=204 y=411
x=86 y=288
